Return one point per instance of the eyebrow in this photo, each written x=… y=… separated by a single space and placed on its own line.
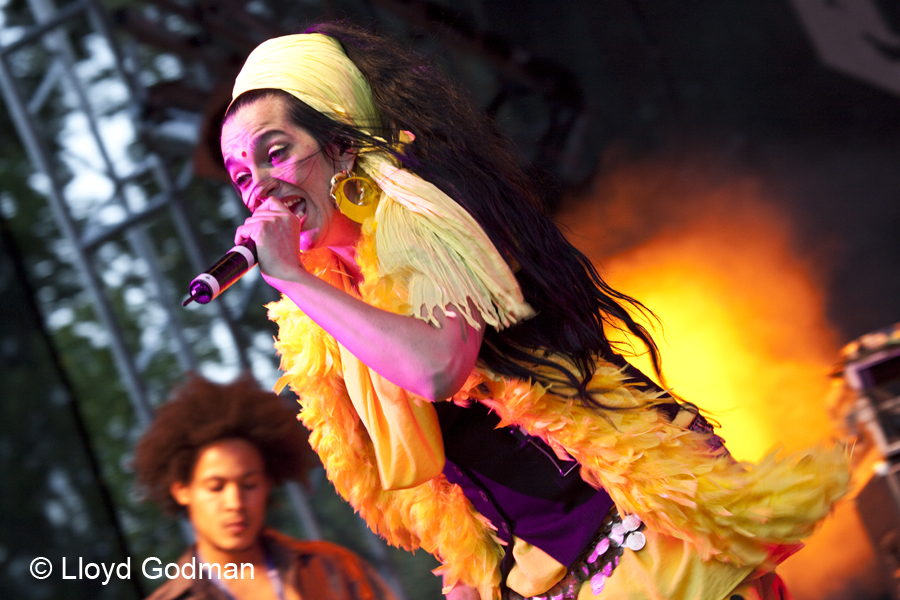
x=244 y=475
x=256 y=143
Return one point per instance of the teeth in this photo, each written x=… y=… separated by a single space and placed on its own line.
x=290 y=204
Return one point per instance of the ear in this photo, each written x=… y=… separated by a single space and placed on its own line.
x=343 y=156
x=181 y=493
x=348 y=160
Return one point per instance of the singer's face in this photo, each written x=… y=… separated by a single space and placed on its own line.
x=268 y=156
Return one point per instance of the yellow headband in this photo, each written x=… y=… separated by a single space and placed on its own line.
x=314 y=69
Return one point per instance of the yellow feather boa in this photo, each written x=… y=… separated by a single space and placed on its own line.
x=737 y=513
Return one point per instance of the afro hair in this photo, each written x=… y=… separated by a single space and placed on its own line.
x=201 y=412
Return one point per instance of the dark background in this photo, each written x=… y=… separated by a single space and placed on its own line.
x=741 y=84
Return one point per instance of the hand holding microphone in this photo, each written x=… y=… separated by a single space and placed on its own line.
x=274 y=218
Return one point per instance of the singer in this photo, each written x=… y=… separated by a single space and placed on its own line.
x=448 y=347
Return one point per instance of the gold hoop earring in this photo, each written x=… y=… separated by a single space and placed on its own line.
x=355 y=196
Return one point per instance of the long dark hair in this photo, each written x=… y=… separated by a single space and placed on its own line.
x=459 y=149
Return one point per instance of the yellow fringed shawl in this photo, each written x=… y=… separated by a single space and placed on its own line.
x=736 y=513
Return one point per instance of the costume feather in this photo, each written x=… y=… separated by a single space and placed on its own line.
x=738 y=513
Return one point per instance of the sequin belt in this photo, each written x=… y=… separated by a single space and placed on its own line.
x=598 y=561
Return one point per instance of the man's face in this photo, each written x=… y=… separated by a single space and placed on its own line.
x=226 y=497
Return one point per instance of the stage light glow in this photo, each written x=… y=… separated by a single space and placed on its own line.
x=745 y=335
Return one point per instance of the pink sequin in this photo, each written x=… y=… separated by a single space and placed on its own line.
x=597 y=583
x=601 y=548
x=631 y=522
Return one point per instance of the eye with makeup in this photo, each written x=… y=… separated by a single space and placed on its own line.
x=240 y=180
x=277 y=153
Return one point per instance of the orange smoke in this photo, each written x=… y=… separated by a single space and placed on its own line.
x=745 y=333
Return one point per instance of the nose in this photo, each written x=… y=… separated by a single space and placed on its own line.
x=266 y=187
x=234 y=498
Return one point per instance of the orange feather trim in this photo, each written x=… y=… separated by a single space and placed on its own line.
x=738 y=513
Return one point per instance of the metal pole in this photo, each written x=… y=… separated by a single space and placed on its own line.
x=41 y=159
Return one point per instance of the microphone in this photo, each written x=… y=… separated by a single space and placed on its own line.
x=220 y=276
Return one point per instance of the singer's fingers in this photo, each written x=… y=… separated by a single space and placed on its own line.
x=267 y=214
x=272 y=204
x=276 y=235
x=269 y=222
x=243 y=233
x=264 y=223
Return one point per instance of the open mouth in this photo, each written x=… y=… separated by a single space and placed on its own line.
x=296 y=206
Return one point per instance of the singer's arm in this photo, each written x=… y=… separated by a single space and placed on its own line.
x=429 y=361
x=432 y=362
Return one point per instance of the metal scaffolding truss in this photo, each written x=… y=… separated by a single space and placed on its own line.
x=81 y=221
x=45 y=71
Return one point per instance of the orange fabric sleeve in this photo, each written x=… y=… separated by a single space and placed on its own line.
x=404 y=429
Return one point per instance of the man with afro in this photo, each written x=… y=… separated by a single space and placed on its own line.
x=215 y=452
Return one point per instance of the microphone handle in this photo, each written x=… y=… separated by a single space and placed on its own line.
x=210 y=284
